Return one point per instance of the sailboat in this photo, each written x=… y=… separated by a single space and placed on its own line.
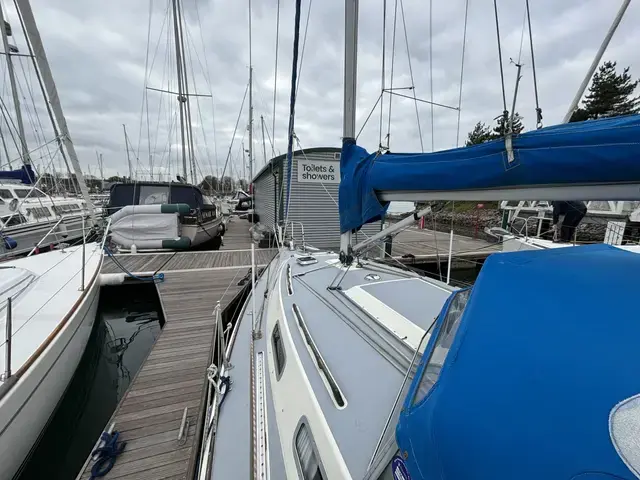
x=28 y=216
x=340 y=367
x=151 y=215
x=48 y=304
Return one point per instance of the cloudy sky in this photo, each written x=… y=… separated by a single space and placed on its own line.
x=98 y=51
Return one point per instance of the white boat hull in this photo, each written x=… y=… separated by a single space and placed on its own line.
x=29 y=404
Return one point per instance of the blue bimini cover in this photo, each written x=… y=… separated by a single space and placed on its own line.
x=25 y=174
x=583 y=153
x=545 y=349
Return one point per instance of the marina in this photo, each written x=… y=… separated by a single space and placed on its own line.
x=278 y=311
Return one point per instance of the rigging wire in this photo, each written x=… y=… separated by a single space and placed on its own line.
x=504 y=93
x=393 y=58
x=304 y=44
x=235 y=130
x=208 y=77
x=464 y=47
x=413 y=84
x=275 y=80
x=430 y=73
x=533 y=67
x=383 y=73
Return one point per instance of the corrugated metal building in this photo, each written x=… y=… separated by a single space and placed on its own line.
x=314 y=195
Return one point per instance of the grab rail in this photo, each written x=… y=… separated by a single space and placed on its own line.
x=7 y=361
x=53 y=228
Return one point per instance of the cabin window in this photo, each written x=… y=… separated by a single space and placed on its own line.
x=443 y=343
x=307 y=455
x=22 y=192
x=278 y=350
x=74 y=207
x=154 y=194
x=39 y=212
x=13 y=220
x=4 y=193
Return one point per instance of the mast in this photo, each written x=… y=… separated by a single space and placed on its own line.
x=181 y=97
x=188 y=125
x=596 y=61
x=350 y=85
x=14 y=90
x=126 y=146
x=33 y=37
x=250 y=107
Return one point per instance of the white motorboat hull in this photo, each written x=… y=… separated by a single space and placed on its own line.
x=203 y=232
x=30 y=402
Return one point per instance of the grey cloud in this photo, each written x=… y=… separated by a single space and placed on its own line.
x=97 y=54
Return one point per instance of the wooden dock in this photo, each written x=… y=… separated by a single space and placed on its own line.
x=173 y=377
x=414 y=245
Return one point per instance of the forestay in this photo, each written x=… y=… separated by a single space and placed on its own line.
x=587 y=154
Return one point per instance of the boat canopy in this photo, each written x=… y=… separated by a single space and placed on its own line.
x=594 y=152
x=25 y=175
x=510 y=388
x=153 y=193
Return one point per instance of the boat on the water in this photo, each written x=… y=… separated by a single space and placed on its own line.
x=341 y=367
x=31 y=217
x=156 y=216
x=54 y=298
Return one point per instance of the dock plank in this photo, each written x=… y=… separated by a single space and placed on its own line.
x=173 y=376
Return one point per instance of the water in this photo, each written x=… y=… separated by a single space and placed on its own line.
x=129 y=320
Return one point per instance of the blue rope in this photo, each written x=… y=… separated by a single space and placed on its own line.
x=107 y=454
x=156 y=277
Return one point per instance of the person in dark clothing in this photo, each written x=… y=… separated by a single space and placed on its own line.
x=573 y=213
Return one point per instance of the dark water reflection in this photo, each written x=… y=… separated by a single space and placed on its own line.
x=129 y=320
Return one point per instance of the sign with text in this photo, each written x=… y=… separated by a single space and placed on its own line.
x=318 y=171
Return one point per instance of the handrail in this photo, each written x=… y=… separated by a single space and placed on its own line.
x=7 y=364
x=54 y=226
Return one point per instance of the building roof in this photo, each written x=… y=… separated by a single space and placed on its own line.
x=282 y=157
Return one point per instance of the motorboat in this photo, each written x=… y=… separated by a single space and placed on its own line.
x=156 y=216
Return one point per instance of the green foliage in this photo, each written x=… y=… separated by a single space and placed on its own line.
x=610 y=95
x=499 y=130
x=481 y=133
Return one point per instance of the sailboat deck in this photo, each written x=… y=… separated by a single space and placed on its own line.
x=173 y=377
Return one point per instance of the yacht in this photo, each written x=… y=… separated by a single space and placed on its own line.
x=48 y=300
x=32 y=218
x=156 y=216
x=340 y=367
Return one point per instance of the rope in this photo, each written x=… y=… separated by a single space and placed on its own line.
x=224 y=170
x=156 y=277
x=464 y=46
x=292 y=105
x=533 y=66
x=107 y=454
x=504 y=93
x=413 y=85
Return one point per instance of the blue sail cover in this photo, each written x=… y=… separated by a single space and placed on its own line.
x=595 y=151
x=25 y=175
x=529 y=383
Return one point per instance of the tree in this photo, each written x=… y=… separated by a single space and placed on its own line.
x=481 y=133
x=226 y=184
x=610 y=94
x=209 y=184
x=499 y=130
